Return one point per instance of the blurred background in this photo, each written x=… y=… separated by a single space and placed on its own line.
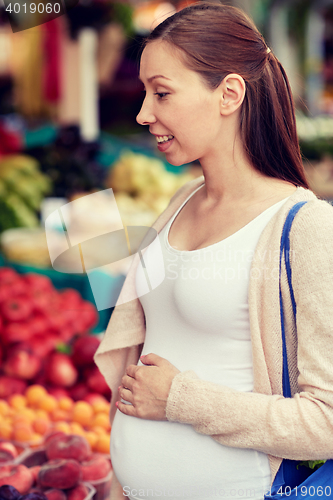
x=69 y=96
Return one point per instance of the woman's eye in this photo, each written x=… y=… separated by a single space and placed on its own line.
x=161 y=95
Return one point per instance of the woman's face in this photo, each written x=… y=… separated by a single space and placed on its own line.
x=178 y=106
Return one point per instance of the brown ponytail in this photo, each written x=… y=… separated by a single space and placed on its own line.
x=216 y=40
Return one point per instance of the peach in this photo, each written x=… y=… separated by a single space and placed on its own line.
x=96 y=467
x=18 y=476
x=68 y=446
x=52 y=435
x=34 y=471
x=80 y=492
x=7 y=451
x=55 y=494
x=61 y=474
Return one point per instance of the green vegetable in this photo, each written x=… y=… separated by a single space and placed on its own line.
x=312 y=464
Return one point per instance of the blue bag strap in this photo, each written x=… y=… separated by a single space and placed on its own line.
x=285 y=249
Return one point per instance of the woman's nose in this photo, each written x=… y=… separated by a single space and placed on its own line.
x=145 y=116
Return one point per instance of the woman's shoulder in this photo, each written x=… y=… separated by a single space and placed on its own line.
x=314 y=221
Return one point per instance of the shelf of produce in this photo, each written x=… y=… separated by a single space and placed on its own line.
x=79 y=282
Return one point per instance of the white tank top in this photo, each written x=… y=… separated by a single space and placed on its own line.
x=198 y=319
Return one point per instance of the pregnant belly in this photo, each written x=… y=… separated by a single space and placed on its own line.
x=161 y=458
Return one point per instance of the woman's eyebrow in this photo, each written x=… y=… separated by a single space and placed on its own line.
x=155 y=76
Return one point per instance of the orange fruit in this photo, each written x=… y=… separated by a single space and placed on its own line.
x=6 y=429
x=58 y=415
x=102 y=420
x=20 y=419
x=97 y=429
x=22 y=432
x=41 y=425
x=66 y=403
x=28 y=413
x=36 y=439
x=77 y=428
x=62 y=426
x=82 y=413
x=4 y=408
x=100 y=407
x=17 y=401
x=34 y=393
x=92 y=438
x=48 y=403
x=42 y=414
x=103 y=444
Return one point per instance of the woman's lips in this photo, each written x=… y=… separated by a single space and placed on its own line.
x=164 y=145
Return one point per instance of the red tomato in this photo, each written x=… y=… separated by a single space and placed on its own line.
x=16 y=309
x=5 y=292
x=15 y=332
x=43 y=345
x=38 y=282
x=43 y=300
x=89 y=314
x=8 y=275
x=18 y=287
x=70 y=299
x=38 y=324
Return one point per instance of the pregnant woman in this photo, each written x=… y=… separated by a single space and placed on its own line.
x=196 y=361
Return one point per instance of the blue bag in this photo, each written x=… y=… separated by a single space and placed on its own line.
x=293 y=481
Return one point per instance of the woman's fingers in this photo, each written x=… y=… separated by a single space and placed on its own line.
x=125 y=394
x=127 y=409
x=127 y=382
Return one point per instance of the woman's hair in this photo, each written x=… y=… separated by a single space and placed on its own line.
x=216 y=40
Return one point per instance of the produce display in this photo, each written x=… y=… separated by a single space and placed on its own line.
x=26 y=245
x=27 y=418
x=50 y=387
x=60 y=470
x=142 y=183
x=22 y=188
x=35 y=317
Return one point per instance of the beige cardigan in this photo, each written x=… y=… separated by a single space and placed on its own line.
x=297 y=428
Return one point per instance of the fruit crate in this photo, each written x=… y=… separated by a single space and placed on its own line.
x=103 y=486
x=79 y=282
x=98 y=489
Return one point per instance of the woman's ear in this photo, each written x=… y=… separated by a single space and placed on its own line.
x=232 y=93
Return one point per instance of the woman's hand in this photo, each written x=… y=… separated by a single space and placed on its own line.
x=146 y=388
